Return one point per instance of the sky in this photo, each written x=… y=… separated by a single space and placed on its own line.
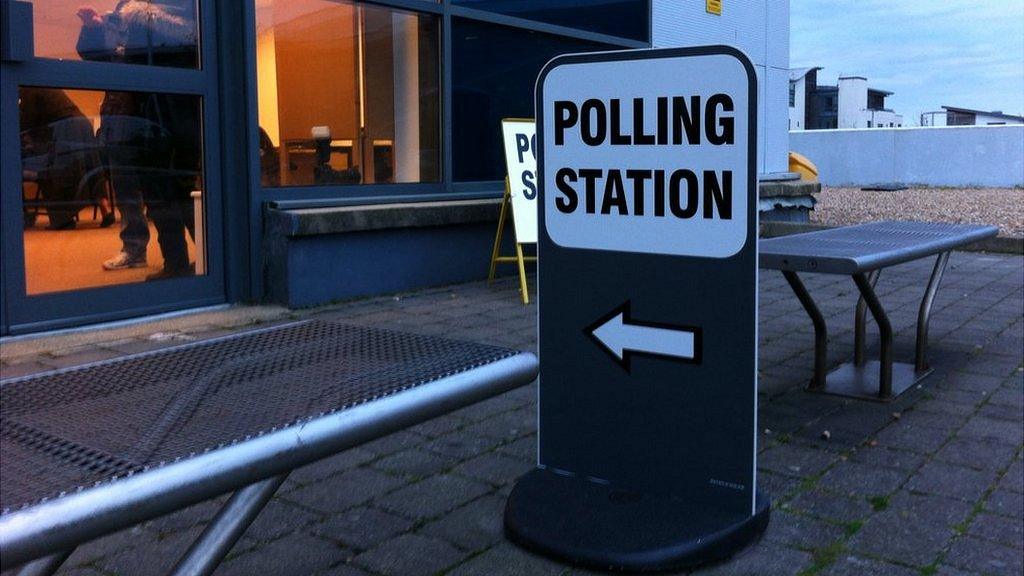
x=931 y=53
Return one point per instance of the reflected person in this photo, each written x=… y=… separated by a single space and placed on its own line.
x=59 y=155
x=150 y=160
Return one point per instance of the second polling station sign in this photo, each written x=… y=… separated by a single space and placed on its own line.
x=647 y=282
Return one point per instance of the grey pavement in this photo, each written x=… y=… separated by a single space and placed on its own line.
x=932 y=483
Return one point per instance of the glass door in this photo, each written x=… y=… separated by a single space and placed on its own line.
x=109 y=147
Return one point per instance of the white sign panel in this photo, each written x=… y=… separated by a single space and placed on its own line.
x=520 y=138
x=635 y=164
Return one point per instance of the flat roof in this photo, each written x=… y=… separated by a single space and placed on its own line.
x=798 y=73
x=996 y=114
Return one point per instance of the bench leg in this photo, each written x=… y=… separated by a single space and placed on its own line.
x=860 y=321
x=820 y=329
x=207 y=552
x=924 y=313
x=45 y=566
x=867 y=292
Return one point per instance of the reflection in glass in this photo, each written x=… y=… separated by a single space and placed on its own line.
x=82 y=150
x=490 y=81
x=348 y=94
x=150 y=32
x=622 y=18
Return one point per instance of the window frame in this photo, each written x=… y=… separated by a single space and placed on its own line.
x=446 y=10
x=23 y=312
x=260 y=198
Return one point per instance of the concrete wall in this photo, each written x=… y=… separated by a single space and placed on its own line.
x=946 y=156
x=760 y=28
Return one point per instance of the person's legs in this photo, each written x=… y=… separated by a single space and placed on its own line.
x=124 y=166
x=188 y=216
x=134 y=228
x=167 y=208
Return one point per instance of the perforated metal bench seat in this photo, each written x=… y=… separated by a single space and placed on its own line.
x=862 y=252
x=90 y=450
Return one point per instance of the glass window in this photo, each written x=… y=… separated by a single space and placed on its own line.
x=111 y=187
x=494 y=72
x=623 y=18
x=153 y=32
x=348 y=93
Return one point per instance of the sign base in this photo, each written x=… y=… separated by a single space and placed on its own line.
x=598 y=526
x=861 y=382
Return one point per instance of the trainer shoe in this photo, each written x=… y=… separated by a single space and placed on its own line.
x=123 y=261
x=165 y=273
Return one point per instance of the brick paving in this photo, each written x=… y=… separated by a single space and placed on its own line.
x=930 y=484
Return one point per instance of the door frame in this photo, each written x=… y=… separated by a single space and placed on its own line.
x=23 y=313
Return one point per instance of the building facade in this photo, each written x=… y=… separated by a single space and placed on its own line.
x=160 y=155
x=848 y=104
x=955 y=116
x=803 y=83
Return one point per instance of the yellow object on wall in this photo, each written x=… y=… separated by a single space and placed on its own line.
x=714 y=7
x=802 y=166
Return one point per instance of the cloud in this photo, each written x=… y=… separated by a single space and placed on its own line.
x=955 y=52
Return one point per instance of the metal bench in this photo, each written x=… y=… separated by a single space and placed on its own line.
x=862 y=252
x=94 y=449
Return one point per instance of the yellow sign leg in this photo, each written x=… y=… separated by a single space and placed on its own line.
x=522 y=273
x=519 y=259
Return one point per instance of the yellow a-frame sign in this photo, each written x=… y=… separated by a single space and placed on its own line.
x=519 y=258
x=519 y=202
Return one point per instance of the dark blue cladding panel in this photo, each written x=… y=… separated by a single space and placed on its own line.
x=495 y=68
x=338 y=266
x=622 y=18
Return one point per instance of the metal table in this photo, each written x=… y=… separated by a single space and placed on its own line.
x=90 y=450
x=862 y=252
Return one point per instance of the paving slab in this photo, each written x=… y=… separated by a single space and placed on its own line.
x=795 y=460
x=1013 y=479
x=410 y=555
x=160 y=558
x=415 y=463
x=363 y=528
x=856 y=566
x=762 y=559
x=874 y=455
x=434 y=496
x=344 y=491
x=985 y=454
x=508 y=560
x=494 y=468
x=1005 y=503
x=953 y=481
x=985 y=557
x=472 y=527
x=802 y=532
x=298 y=553
x=912 y=530
x=856 y=479
x=830 y=506
x=999 y=529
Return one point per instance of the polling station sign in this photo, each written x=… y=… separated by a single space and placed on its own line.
x=650 y=168
x=520 y=138
x=647 y=278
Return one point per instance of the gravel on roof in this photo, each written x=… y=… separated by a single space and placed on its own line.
x=1003 y=207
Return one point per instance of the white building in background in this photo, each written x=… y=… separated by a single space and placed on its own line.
x=863 y=107
x=802 y=83
x=760 y=28
x=848 y=104
x=953 y=116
